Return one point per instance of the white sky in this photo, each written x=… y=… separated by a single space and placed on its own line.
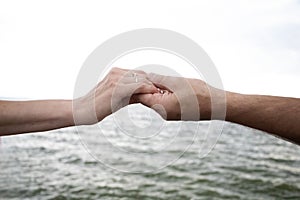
x=254 y=44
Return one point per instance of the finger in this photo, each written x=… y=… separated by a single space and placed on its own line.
x=125 y=92
x=137 y=79
x=133 y=73
x=140 y=72
x=121 y=72
x=144 y=88
x=164 y=82
x=140 y=84
x=127 y=88
x=152 y=101
x=146 y=99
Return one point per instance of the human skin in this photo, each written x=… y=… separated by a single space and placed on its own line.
x=279 y=116
x=276 y=115
x=31 y=116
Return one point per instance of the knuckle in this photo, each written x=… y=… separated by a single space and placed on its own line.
x=113 y=83
x=140 y=72
x=111 y=80
x=114 y=70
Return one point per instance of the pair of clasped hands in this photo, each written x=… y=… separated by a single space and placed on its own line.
x=164 y=94
x=178 y=98
x=174 y=98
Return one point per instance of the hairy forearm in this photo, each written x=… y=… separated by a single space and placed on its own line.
x=32 y=116
x=276 y=115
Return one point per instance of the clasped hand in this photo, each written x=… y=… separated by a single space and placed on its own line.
x=167 y=95
x=174 y=98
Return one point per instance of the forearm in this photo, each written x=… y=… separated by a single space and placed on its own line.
x=277 y=115
x=32 y=116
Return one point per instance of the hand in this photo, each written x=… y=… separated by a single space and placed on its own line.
x=276 y=115
x=111 y=94
x=180 y=98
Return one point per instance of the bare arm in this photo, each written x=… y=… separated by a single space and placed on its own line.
x=113 y=92
x=31 y=116
x=277 y=115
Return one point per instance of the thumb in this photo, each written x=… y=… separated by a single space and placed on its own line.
x=152 y=101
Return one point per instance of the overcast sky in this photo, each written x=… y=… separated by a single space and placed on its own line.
x=255 y=45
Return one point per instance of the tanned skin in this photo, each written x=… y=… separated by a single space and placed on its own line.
x=279 y=116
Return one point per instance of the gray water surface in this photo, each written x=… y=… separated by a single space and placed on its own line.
x=245 y=164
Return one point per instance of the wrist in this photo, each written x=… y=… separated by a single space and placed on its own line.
x=84 y=111
x=213 y=104
x=66 y=113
